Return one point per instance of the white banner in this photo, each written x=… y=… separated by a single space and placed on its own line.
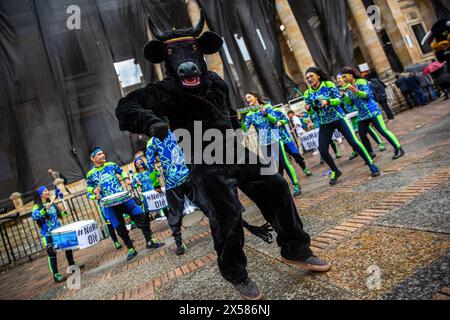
x=88 y=235
x=155 y=200
x=310 y=140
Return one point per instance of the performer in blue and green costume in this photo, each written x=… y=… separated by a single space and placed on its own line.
x=349 y=107
x=179 y=185
x=46 y=215
x=144 y=178
x=291 y=149
x=360 y=94
x=324 y=98
x=176 y=181
x=265 y=120
x=107 y=223
x=316 y=121
x=101 y=182
x=147 y=180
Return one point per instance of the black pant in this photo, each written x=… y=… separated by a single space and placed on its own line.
x=112 y=232
x=325 y=135
x=296 y=155
x=218 y=185
x=378 y=124
x=141 y=220
x=384 y=104
x=51 y=252
x=275 y=155
x=334 y=146
x=175 y=199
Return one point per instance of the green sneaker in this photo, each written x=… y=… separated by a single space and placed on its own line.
x=117 y=245
x=297 y=190
x=57 y=277
x=308 y=172
x=381 y=147
x=334 y=177
x=153 y=244
x=131 y=254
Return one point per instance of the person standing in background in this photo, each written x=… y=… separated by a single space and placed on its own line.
x=427 y=86
x=402 y=84
x=379 y=92
x=416 y=90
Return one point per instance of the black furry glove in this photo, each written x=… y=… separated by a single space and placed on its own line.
x=262 y=232
x=159 y=130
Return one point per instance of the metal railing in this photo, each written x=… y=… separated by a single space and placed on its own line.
x=20 y=238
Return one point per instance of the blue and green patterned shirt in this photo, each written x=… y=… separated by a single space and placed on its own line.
x=280 y=116
x=47 y=224
x=105 y=177
x=363 y=100
x=264 y=125
x=326 y=91
x=172 y=160
x=148 y=179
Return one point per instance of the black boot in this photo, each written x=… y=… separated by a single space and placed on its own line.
x=181 y=249
x=398 y=153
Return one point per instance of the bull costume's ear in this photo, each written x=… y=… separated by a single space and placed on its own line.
x=209 y=42
x=154 y=51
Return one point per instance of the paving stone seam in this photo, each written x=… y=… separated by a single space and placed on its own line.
x=280 y=260
x=329 y=237
x=349 y=185
x=134 y=264
x=147 y=290
x=363 y=218
x=409 y=228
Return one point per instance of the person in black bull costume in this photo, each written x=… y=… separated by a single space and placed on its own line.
x=191 y=93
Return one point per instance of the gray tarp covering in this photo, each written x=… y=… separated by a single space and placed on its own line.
x=442 y=8
x=59 y=89
x=254 y=21
x=325 y=28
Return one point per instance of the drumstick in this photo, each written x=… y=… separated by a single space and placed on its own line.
x=135 y=191
x=51 y=203
x=64 y=204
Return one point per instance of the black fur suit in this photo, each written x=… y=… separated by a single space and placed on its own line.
x=218 y=183
x=191 y=93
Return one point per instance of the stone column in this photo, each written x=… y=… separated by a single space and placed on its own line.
x=214 y=61
x=16 y=198
x=369 y=38
x=297 y=41
x=397 y=28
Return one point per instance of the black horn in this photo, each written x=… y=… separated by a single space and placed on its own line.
x=199 y=26
x=159 y=35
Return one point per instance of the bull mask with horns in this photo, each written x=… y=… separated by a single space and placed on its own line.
x=440 y=39
x=182 y=51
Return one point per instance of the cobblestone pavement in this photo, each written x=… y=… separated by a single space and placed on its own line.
x=388 y=237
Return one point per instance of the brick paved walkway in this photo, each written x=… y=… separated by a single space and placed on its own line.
x=388 y=237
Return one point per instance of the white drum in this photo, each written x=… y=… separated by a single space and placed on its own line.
x=191 y=214
x=77 y=235
x=115 y=199
x=155 y=200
